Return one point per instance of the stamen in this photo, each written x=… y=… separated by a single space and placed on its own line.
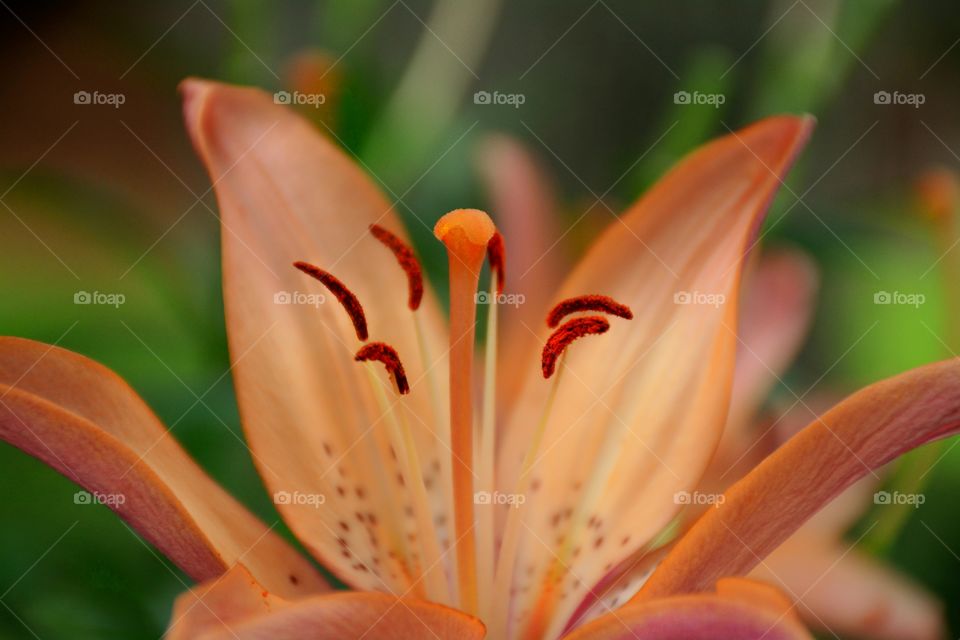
x=496 y=255
x=486 y=522
x=569 y=331
x=384 y=353
x=408 y=262
x=507 y=558
x=401 y=442
x=604 y=304
x=343 y=295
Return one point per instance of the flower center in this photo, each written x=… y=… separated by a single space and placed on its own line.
x=485 y=562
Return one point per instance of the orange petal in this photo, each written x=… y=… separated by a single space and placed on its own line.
x=641 y=409
x=865 y=431
x=842 y=591
x=236 y=607
x=87 y=423
x=218 y=604
x=775 y=315
x=358 y=615
x=740 y=610
x=755 y=592
x=309 y=411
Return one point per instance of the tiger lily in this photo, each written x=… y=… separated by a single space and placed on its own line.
x=447 y=515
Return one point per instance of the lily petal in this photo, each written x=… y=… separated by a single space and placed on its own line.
x=309 y=411
x=845 y=592
x=775 y=315
x=865 y=431
x=87 y=423
x=236 y=607
x=217 y=604
x=640 y=409
x=740 y=610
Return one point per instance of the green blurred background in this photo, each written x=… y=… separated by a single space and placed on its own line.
x=111 y=199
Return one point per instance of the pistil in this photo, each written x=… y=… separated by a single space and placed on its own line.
x=466 y=234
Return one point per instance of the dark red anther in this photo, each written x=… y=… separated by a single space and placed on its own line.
x=408 y=262
x=346 y=298
x=569 y=331
x=387 y=355
x=496 y=254
x=604 y=304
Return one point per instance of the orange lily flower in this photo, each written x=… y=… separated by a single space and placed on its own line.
x=447 y=517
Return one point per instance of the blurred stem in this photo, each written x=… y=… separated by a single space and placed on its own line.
x=424 y=103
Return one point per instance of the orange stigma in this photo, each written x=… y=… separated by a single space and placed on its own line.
x=604 y=304
x=496 y=256
x=408 y=262
x=346 y=298
x=569 y=331
x=466 y=234
x=387 y=355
